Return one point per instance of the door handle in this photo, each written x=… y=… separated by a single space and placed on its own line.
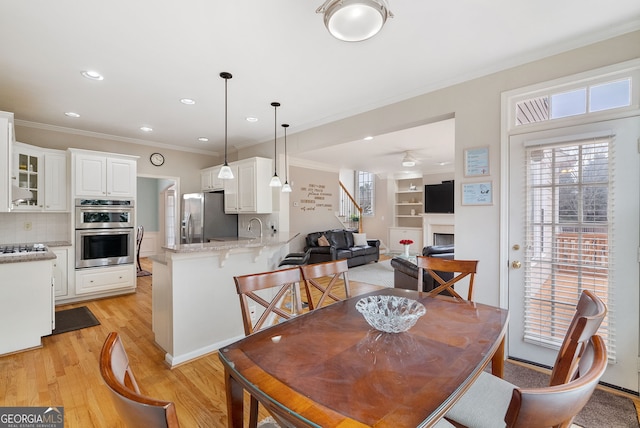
x=516 y=264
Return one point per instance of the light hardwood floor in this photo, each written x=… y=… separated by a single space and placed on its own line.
x=64 y=371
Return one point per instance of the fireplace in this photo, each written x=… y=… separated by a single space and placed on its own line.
x=438 y=229
x=443 y=239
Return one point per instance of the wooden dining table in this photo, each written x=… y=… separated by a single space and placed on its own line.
x=329 y=368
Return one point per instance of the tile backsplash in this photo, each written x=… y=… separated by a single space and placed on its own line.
x=18 y=228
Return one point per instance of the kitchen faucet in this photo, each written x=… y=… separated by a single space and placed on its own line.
x=259 y=222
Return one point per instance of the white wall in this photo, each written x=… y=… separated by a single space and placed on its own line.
x=476 y=107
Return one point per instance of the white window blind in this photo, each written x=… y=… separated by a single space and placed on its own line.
x=568 y=233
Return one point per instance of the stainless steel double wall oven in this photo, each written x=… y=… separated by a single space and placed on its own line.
x=105 y=232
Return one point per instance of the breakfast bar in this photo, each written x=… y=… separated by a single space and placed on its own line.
x=195 y=307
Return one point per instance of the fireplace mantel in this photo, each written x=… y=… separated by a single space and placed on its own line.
x=436 y=223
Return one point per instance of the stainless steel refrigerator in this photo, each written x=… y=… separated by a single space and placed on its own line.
x=204 y=219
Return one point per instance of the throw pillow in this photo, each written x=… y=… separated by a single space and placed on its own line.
x=360 y=239
x=323 y=241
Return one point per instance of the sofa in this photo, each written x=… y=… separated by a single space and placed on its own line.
x=340 y=244
x=405 y=272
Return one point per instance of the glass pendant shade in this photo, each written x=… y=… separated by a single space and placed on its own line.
x=286 y=188
x=225 y=172
x=275 y=181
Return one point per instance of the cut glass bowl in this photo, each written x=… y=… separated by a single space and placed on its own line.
x=391 y=314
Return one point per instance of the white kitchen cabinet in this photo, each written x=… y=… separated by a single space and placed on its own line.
x=249 y=191
x=209 y=179
x=7 y=137
x=61 y=270
x=26 y=304
x=396 y=234
x=103 y=279
x=28 y=173
x=103 y=174
x=44 y=173
x=56 y=188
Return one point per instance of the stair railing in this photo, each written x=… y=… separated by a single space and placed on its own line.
x=350 y=212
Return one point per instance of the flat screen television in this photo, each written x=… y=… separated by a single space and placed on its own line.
x=438 y=198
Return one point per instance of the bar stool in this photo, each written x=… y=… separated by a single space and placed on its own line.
x=296 y=259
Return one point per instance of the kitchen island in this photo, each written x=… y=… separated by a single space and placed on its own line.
x=26 y=299
x=195 y=306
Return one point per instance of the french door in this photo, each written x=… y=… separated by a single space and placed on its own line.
x=574 y=224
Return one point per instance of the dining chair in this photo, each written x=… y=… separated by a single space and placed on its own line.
x=494 y=393
x=433 y=265
x=135 y=409
x=312 y=274
x=250 y=289
x=254 y=288
x=505 y=405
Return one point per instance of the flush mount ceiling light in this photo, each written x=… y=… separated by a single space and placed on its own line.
x=408 y=160
x=275 y=180
x=225 y=172
x=354 y=20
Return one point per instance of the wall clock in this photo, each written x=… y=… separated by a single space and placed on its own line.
x=156 y=159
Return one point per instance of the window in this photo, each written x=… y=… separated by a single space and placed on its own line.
x=568 y=227
x=561 y=102
x=365 y=191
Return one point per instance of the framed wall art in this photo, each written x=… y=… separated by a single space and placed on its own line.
x=476 y=162
x=477 y=193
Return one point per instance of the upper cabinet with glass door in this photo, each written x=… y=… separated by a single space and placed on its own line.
x=39 y=179
x=27 y=178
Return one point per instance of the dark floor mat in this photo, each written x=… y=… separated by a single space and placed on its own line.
x=74 y=319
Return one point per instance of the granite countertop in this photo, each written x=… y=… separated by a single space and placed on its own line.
x=33 y=256
x=223 y=244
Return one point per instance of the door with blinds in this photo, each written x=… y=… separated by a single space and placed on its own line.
x=574 y=225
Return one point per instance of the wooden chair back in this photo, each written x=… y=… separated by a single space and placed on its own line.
x=311 y=275
x=135 y=409
x=589 y=314
x=556 y=406
x=281 y=282
x=432 y=265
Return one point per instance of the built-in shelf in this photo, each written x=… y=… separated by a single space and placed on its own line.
x=407 y=215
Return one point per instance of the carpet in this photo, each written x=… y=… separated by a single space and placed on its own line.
x=143 y=273
x=380 y=273
x=604 y=409
x=74 y=319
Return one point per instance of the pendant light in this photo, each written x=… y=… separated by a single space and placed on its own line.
x=275 y=180
x=225 y=172
x=286 y=188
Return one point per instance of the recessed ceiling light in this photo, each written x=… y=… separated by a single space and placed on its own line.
x=252 y=119
x=71 y=114
x=187 y=101
x=203 y=139
x=93 y=75
x=146 y=128
x=369 y=138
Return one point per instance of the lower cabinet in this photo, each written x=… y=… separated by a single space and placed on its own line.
x=103 y=279
x=397 y=234
x=61 y=271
